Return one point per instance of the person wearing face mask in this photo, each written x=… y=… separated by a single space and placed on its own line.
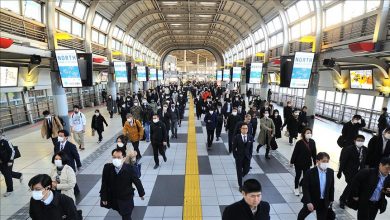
x=158 y=134
x=369 y=190
x=351 y=129
x=211 y=123
x=104 y=95
x=378 y=147
x=77 y=122
x=134 y=132
x=231 y=125
x=254 y=117
x=97 y=124
x=46 y=204
x=121 y=142
x=111 y=106
x=63 y=176
x=302 y=118
x=249 y=94
x=117 y=190
x=136 y=111
x=266 y=108
x=119 y=102
x=147 y=114
x=287 y=113
x=352 y=159
x=241 y=112
x=278 y=123
x=236 y=101
x=227 y=109
x=318 y=189
x=153 y=105
x=293 y=127
x=165 y=117
x=50 y=126
x=383 y=120
x=174 y=113
x=267 y=131
x=303 y=157
x=218 y=128
x=198 y=101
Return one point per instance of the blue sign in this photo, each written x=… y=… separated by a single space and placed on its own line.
x=256 y=71
x=301 y=72
x=160 y=75
x=120 y=72
x=141 y=73
x=152 y=75
x=219 y=75
x=226 y=75
x=69 y=68
x=236 y=74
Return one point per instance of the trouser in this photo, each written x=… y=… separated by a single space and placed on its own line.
x=174 y=128
x=210 y=137
x=55 y=141
x=119 y=109
x=230 y=140
x=79 y=138
x=368 y=212
x=111 y=113
x=125 y=208
x=321 y=211
x=347 y=190
x=8 y=175
x=198 y=114
x=254 y=126
x=218 y=129
x=136 y=148
x=147 y=131
x=242 y=168
x=291 y=139
x=100 y=134
x=158 y=148
x=298 y=173
x=267 y=147
x=168 y=144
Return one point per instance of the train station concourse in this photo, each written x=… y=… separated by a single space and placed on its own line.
x=218 y=109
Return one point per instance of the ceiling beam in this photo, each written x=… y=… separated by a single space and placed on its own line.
x=226 y=43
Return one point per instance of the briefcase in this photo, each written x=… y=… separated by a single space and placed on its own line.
x=17 y=152
x=331 y=214
x=273 y=143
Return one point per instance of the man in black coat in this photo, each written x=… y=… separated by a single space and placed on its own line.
x=231 y=124
x=211 y=123
x=117 y=190
x=97 y=124
x=378 y=147
x=383 y=121
x=165 y=117
x=119 y=101
x=158 y=135
x=369 y=188
x=351 y=129
x=318 y=189
x=251 y=206
x=287 y=112
x=174 y=113
x=242 y=152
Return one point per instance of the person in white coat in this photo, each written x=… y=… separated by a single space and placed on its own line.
x=63 y=177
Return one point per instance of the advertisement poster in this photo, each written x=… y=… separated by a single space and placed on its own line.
x=272 y=77
x=141 y=73
x=8 y=76
x=236 y=74
x=160 y=75
x=69 y=68
x=120 y=72
x=219 y=75
x=152 y=75
x=301 y=72
x=103 y=76
x=361 y=79
x=226 y=75
x=256 y=71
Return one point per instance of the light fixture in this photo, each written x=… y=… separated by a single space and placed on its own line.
x=63 y=36
x=169 y=3
x=204 y=16
x=173 y=15
x=202 y=24
x=208 y=3
x=176 y=24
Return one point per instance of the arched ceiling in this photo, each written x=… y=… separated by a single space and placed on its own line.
x=171 y=24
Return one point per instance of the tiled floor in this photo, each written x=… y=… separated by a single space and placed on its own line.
x=164 y=186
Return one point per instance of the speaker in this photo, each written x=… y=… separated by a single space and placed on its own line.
x=286 y=66
x=329 y=62
x=35 y=59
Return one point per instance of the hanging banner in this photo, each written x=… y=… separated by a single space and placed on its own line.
x=152 y=75
x=301 y=72
x=219 y=75
x=256 y=71
x=69 y=68
x=226 y=75
x=141 y=73
x=120 y=72
x=236 y=74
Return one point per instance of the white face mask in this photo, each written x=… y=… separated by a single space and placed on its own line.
x=266 y=115
x=359 y=143
x=387 y=135
x=123 y=105
x=61 y=139
x=48 y=117
x=58 y=163
x=155 y=120
x=120 y=144
x=234 y=113
x=324 y=166
x=117 y=162
x=308 y=136
x=135 y=104
x=129 y=119
x=37 y=195
x=276 y=115
x=97 y=114
x=165 y=108
x=211 y=112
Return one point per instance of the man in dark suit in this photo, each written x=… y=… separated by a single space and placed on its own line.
x=318 y=189
x=242 y=152
x=251 y=206
x=117 y=190
x=378 y=147
x=231 y=124
x=70 y=150
x=352 y=159
x=351 y=129
x=158 y=136
x=165 y=117
x=369 y=188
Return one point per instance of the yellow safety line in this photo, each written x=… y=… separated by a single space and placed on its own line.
x=192 y=209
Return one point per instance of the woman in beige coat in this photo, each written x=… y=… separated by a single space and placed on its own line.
x=63 y=176
x=267 y=131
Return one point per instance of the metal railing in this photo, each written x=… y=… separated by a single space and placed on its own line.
x=76 y=43
x=99 y=50
x=299 y=46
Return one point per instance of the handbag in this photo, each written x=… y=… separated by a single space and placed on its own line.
x=331 y=215
x=17 y=152
x=93 y=132
x=273 y=143
x=341 y=141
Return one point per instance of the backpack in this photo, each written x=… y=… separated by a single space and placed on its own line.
x=137 y=169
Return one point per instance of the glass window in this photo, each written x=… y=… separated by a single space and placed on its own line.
x=273 y=41
x=292 y=13
x=333 y=15
x=277 y=23
x=338 y=97
x=120 y=34
x=11 y=5
x=300 y=92
x=353 y=9
x=58 y=3
x=104 y=25
x=378 y=103
x=352 y=99
x=115 y=32
x=295 y=31
x=95 y=36
x=113 y=44
x=303 y=7
x=373 y=5
x=56 y=19
x=77 y=28
x=102 y=39
x=329 y=96
x=270 y=27
x=97 y=20
x=68 y=5
x=33 y=10
x=80 y=9
x=306 y=27
x=65 y=23
x=321 y=95
x=366 y=101
x=279 y=38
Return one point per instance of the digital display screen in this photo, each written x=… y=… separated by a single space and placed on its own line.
x=226 y=75
x=8 y=76
x=219 y=75
x=152 y=75
x=236 y=74
x=120 y=72
x=141 y=73
x=255 y=73
x=361 y=79
x=301 y=71
x=69 y=68
x=160 y=75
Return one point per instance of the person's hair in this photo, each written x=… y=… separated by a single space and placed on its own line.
x=155 y=114
x=235 y=108
x=76 y=106
x=273 y=113
x=128 y=115
x=64 y=157
x=123 y=139
x=304 y=131
x=321 y=156
x=384 y=109
x=387 y=129
x=119 y=150
x=46 y=113
x=97 y=111
x=304 y=107
x=359 y=136
x=248 y=115
x=243 y=124
x=385 y=161
x=357 y=117
x=43 y=179
x=251 y=185
x=65 y=132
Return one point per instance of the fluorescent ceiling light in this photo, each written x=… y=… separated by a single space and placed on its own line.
x=169 y=3
x=176 y=24
x=203 y=24
x=208 y=3
x=205 y=16
x=173 y=15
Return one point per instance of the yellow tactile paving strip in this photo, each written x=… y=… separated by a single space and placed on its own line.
x=192 y=209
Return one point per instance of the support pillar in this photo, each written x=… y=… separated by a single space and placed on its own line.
x=80 y=92
x=135 y=86
x=60 y=102
x=185 y=61
x=112 y=89
x=27 y=103
x=145 y=85
x=264 y=84
x=197 y=63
